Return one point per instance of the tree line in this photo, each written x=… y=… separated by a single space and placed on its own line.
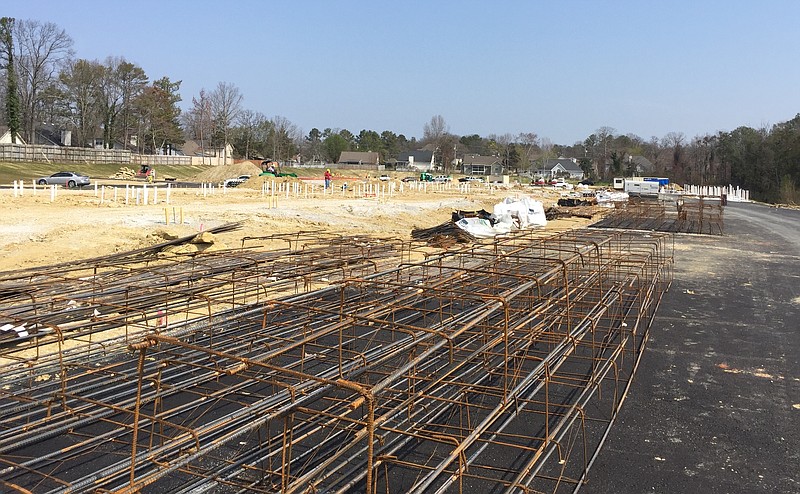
x=115 y=101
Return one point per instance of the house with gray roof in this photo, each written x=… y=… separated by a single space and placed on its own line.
x=562 y=167
x=366 y=158
x=477 y=165
x=641 y=165
x=419 y=160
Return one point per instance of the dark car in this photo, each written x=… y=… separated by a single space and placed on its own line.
x=408 y=179
x=67 y=179
x=586 y=182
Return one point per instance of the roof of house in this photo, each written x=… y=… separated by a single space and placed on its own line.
x=643 y=164
x=420 y=156
x=568 y=164
x=48 y=134
x=475 y=159
x=6 y=131
x=360 y=157
x=192 y=148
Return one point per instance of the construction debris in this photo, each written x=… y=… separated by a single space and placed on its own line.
x=445 y=234
x=124 y=173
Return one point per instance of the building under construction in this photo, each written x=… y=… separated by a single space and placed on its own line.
x=331 y=364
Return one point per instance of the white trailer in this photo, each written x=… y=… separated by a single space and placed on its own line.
x=638 y=187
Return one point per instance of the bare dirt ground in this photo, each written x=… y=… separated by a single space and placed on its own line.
x=37 y=229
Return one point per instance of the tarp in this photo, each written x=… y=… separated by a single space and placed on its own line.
x=607 y=198
x=483 y=228
x=528 y=212
x=525 y=211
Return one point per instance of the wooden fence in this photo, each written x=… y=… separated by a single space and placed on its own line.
x=60 y=154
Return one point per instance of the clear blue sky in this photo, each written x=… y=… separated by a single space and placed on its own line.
x=561 y=69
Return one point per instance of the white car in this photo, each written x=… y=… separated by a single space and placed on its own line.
x=233 y=182
x=442 y=178
x=384 y=178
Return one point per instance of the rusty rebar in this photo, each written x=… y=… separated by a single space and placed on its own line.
x=501 y=366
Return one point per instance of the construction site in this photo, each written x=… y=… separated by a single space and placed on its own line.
x=313 y=361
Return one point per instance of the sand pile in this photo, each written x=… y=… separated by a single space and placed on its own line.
x=222 y=172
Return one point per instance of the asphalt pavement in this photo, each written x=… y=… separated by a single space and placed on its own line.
x=715 y=406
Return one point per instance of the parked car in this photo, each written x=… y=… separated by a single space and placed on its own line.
x=233 y=182
x=470 y=179
x=408 y=179
x=442 y=178
x=560 y=184
x=67 y=179
x=586 y=182
x=384 y=178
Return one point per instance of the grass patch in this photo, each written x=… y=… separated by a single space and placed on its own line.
x=19 y=170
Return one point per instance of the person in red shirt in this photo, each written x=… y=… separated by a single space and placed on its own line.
x=328 y=178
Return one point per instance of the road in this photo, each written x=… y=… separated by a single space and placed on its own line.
x=715 y=407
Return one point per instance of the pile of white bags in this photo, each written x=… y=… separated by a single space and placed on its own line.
x=526 y=212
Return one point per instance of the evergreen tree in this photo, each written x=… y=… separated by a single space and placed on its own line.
x=12 y=92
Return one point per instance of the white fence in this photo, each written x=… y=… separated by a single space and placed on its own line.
x=734 y=194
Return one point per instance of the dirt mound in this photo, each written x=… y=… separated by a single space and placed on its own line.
x=220 y=173
x=256 y=182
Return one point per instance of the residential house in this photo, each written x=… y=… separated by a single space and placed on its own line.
x=5 y=136
x=417 y=160
x=477 y=165
x=364 y=158
x=198 y=153
x=641 y=166
x=562 y=167
x=51 y=135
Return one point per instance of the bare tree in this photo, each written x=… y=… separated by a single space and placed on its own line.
x=674 y=141
x=122 y=81
x=529 y=142
x=226 y=104
x=653 y=151
x=435 y=133
x=42 y=49
x=435 y=129
x=504 y=142
x=285 y=138
x=80 y=87
x=547 y=150
x=604 y=136
x=248 y=124
x=198 y=120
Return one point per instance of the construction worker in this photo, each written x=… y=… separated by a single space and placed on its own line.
x=328 y=178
